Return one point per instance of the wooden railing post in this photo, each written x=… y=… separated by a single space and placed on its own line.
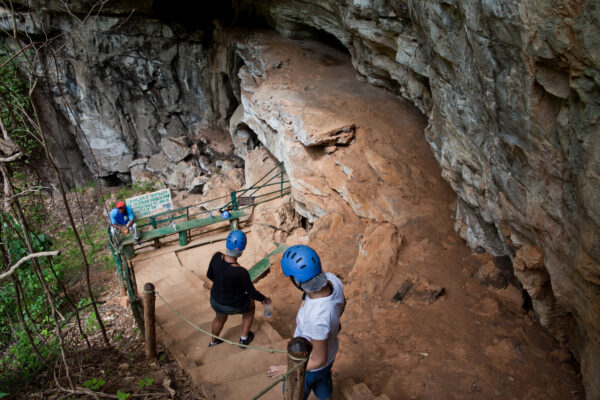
x=298 y=348
x=149 y=320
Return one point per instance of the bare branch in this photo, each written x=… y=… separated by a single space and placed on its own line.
x=32 y=189
x=15 y=55
x=12 y=269
x=11 y=158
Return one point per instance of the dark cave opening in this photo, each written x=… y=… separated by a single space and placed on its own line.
x=229 y=100
x=304 y=31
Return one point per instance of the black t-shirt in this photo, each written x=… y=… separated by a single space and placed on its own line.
x=231 y=285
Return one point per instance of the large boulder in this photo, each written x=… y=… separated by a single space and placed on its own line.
x=160 y=164
x=175 y=149
x=183 y=176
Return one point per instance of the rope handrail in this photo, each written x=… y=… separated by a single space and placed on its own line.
x=281 y=377
x=266 y=350
x=271 y=350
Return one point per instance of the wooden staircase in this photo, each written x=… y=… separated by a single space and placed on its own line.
x=224 y=371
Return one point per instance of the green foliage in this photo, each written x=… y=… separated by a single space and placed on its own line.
x=94 y=383
x=20 y=362
x=145 y=382
x=2 y=395
x=21 y=365
x=123 y=396
x=88 y=185
x=32 y=205
x=91 y=324
x=14 y=102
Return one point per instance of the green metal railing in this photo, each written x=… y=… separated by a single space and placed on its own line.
x=124 y=268
x=276 y=174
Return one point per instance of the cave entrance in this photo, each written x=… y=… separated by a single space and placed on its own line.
x=244 y=140
x=228 y=100
x=304 y=31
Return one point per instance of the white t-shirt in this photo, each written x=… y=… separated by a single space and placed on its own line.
x=319 y=319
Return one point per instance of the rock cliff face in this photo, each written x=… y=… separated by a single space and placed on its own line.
x=510 y=89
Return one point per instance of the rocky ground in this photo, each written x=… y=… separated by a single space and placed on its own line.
x=419 y=322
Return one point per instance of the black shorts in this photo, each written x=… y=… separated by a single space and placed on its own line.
x=228 y=310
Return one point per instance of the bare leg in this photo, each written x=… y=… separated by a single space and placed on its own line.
x=248 y=318
x=217 y=324
x=134 y=231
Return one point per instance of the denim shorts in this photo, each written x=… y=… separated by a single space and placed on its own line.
x=319 y=382
x=228 y=310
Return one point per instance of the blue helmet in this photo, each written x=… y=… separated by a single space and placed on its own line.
x=226 y=214
x=301 y=262
x=236 y=240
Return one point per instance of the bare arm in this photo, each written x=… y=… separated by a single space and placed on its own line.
x=318 y=359
x=318 y=356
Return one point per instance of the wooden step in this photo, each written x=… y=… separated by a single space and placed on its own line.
x=202 y=354
x=245 y=388
x=194 y=312
x=241 y=364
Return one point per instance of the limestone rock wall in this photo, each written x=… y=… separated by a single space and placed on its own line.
x=511 y=89
x=122 y=81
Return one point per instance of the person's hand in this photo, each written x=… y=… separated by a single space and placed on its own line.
x=129 y=223
x=275 y=370
x=267 y=300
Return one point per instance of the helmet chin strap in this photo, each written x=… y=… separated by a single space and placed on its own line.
x=296 y=283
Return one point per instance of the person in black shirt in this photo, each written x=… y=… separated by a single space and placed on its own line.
x=232 y=291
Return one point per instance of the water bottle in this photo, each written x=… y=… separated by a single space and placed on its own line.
x=268 y=310
x=210 y=214
x=174 y=225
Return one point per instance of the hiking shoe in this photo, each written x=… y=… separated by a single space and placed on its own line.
x=139 y=241
x=216 y=342
x=248 y=339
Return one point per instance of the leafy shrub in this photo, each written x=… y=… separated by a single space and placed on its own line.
x=94 y=383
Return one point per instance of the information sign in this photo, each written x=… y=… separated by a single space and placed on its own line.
x=150 y=203
x=245 y=201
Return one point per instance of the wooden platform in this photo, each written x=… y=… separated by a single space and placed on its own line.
x=182 y=228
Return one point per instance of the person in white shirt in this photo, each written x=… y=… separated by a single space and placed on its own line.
x=318 y=318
